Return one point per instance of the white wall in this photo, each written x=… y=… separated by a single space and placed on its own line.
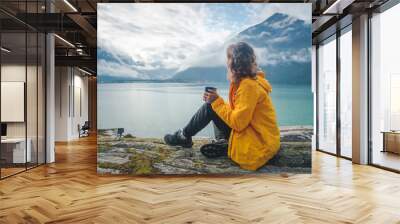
x=70 y=83
x=79 y=110
x=16 y=73
x=62 y=81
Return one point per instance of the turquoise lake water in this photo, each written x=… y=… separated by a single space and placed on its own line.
x=154 y=109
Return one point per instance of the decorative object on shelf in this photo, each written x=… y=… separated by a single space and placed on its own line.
x=391 y=141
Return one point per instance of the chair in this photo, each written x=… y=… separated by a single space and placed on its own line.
x=84 y=130
x=120 y=132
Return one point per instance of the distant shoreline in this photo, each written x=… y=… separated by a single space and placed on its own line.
x=295 y=127
x=189 y=82
x=283 y=127
x=145 y=81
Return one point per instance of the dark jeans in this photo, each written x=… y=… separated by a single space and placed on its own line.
x=202 y=118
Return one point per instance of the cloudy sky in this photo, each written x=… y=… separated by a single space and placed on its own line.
x=146 y=38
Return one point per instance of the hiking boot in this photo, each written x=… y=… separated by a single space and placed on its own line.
x=215 y=149
x=178 y=139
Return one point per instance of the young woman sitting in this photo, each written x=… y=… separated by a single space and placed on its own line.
x=246 y=127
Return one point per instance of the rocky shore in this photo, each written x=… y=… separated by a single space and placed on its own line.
x=142 y=156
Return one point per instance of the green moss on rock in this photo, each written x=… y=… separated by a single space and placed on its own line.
x=153 y=156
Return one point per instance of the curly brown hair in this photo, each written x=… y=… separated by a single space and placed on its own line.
x=241 y=60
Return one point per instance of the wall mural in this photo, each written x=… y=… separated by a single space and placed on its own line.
x=208 y=88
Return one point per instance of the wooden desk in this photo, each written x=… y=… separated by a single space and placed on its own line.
x=13 y=150
x=391 y=141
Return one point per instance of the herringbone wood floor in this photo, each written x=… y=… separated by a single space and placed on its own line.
x=70 y=191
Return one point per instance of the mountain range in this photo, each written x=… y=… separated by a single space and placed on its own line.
x=283 y=46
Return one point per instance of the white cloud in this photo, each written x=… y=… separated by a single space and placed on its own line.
x=158 y=35
x=267 y=56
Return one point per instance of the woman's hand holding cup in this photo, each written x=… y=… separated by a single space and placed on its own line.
x=210 y=94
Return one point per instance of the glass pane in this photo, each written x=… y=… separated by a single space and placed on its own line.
x=23 y=90
x=31 y=88
x=346 y=94
x=385 y=114
x=13 y=86
x=31 y=100
x=327 y=96
x=41 y=99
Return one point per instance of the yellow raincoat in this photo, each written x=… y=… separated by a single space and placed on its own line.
x=255 y=136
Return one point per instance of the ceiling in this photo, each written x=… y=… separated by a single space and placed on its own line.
x=75 y=22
